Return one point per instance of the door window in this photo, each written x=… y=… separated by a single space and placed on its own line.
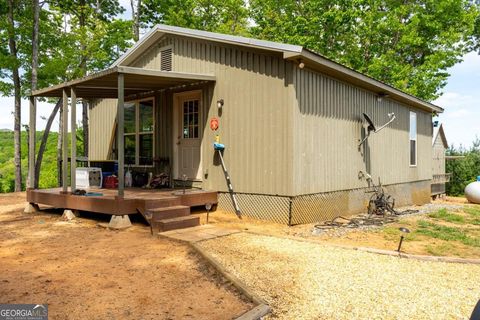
x=190 y=119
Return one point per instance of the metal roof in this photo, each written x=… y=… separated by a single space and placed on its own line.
x=439 y=130
x=311 y=59
x=104 y=84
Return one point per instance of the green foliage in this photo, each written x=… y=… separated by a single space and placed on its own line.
x=407 y=44
x=48 y=175
x=463 y=170
x=444 y=215
x=224 y=16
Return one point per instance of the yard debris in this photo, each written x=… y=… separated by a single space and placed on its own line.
x=381 y=210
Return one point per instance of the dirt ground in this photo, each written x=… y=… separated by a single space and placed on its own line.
x=85 y=272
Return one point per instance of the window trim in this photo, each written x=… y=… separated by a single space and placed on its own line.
x=137 y=133
x=410 y=139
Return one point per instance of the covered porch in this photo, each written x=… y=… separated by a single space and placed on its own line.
x=123 y=84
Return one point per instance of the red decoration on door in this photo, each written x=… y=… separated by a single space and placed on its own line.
x=214 y=124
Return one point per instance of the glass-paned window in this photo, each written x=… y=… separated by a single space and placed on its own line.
x=190 y=119
x=139 y=128
x=130 y=145
x=146 y=116
x=413 y=138
x=130 y=117
x=146 y=149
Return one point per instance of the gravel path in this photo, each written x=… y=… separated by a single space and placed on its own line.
x=302 y=280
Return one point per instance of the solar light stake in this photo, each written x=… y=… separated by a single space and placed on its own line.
x=403 y=230
x=208 y=206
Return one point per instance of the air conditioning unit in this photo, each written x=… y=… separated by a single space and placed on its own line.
x=88 y=178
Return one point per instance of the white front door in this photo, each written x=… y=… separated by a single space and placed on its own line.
x=188 y=128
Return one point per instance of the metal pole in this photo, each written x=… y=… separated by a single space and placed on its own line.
x=65 y=143
x=73 y=124
x=31 y=144
x=230 y=187
x=120 y=138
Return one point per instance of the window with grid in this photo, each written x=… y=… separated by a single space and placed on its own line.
x=138 y=132
x=190 y=119
x=413 y=139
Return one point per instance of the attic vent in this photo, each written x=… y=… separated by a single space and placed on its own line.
x=166 y=59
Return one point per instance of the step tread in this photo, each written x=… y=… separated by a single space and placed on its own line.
x=161 y=209
x=178 y=219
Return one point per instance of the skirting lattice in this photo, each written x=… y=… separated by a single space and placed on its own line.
x=263 y=207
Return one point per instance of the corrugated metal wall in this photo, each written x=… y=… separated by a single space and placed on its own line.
x=102 y=117
x=254 y=122
x=287 y=131
x=328 y=125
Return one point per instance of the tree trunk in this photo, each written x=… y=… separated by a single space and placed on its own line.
x=83 y=67
x=17 y=91
x=35 y=43
x=136 y=11
x=43 y=143
x=59 y=147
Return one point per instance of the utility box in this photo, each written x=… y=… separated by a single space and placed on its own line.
x=88 y=178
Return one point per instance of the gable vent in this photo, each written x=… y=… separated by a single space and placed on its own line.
x=166 y=59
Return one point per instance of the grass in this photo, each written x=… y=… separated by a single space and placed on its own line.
x=444 y=215
x=443 y=249
x=437 y=231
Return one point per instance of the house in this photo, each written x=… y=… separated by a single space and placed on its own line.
x=439 y=147
x=291 y=121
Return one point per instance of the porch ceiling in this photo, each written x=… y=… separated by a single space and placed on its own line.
x=104 y=84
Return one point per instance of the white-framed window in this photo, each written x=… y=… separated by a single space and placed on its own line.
x=413 y=139
x=138 y=132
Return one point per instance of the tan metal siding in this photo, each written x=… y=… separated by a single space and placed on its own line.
x=102 y=117
x=328 y=124
x=254 y=123
x=438 y=163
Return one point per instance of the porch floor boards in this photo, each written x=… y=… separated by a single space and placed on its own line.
x=134 y=201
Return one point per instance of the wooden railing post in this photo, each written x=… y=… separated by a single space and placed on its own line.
x=120 y=139
x=31 y=143
x=65 y=143
x=73 y=151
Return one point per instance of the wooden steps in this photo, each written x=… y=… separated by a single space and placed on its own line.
x=172 y=211
x=172 y=217
x=178 y=223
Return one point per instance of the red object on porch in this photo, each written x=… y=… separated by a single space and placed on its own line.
x=111 y=182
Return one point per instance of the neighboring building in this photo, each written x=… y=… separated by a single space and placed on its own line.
x=291 y=121
x=439 y=147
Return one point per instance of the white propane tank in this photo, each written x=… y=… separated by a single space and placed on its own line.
x=472 y=191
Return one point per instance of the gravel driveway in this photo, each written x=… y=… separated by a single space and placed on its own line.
x=302 y=280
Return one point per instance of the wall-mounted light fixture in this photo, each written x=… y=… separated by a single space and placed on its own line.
x=301 y=64
x=381 y=96
x=220 y=103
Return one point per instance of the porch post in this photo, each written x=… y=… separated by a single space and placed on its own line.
x=73 y=151
x=120 y=141
x=65 y=143
x=31 y=143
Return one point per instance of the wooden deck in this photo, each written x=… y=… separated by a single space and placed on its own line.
x=135 y=200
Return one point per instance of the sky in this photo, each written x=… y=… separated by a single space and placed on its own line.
x=460 y=99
